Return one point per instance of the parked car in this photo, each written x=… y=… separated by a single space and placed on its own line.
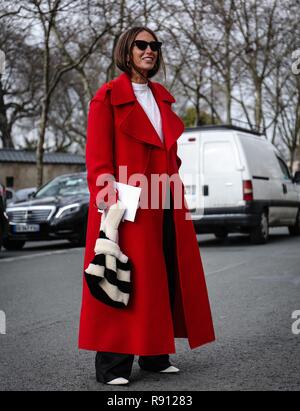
x=58 y=210
x=3 y=215
x=236 y=181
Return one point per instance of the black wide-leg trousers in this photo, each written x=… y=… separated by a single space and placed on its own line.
x=113 y=365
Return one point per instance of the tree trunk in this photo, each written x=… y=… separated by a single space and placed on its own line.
x=228 y=100
x=4 y=128
x=292 y=159
x=258 y=105
x=228 y=27
x=40 y=145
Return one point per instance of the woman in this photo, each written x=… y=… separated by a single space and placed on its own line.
x=131 y=124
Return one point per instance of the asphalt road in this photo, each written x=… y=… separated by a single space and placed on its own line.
x=253 y=292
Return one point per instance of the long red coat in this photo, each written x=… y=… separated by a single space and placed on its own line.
x=120 y=134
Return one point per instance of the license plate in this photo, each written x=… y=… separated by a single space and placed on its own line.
x=26 y=228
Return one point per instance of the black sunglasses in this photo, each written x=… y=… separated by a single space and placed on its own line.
x=142 y=45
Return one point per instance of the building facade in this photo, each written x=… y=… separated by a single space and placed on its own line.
x=18 y=168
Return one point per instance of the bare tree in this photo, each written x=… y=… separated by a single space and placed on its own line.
x=8 y=9
x=256 y=40
x=281 y=103
x=289 y=120
x=47 y=15
x=18 y=84
x=218 y=46
x=189 y=64
x=68 y=117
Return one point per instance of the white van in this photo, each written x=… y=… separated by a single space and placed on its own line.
x=236 y=181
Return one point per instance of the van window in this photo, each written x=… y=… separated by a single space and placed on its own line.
x=284 y=169
x=219 y=158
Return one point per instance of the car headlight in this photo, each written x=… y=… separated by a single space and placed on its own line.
x=67 y=210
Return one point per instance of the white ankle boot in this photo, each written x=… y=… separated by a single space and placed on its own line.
x=118 y=381
x=170 y=369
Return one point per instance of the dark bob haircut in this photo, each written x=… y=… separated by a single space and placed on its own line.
x=124 y=48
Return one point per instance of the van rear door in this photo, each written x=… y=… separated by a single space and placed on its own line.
x=221 y=170
x=189 y=153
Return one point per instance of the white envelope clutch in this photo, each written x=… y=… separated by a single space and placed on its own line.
x=129 y=195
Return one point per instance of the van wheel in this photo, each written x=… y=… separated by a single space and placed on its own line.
x=295 y=229
x=261 y=233
x=11 y=245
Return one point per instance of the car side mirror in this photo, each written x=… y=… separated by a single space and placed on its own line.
x=296 y=178
x=31 y=195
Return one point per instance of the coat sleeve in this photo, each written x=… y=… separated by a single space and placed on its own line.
x=100 y=154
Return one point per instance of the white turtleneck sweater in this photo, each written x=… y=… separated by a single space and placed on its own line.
x=145 y=97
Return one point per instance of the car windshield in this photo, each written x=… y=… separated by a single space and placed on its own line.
x=64 y=186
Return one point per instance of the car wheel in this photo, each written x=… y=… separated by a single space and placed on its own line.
x=11 y=245
x=295 y=229
x=261 y=233
x=221 y=235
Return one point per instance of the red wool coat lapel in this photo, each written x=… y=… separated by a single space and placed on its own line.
x=121 y=134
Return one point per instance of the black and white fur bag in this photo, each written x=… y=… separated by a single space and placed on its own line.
x=108 y=275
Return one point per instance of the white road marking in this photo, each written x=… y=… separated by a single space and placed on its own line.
x=31 y=256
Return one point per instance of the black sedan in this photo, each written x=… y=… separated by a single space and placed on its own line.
x=58 y=210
